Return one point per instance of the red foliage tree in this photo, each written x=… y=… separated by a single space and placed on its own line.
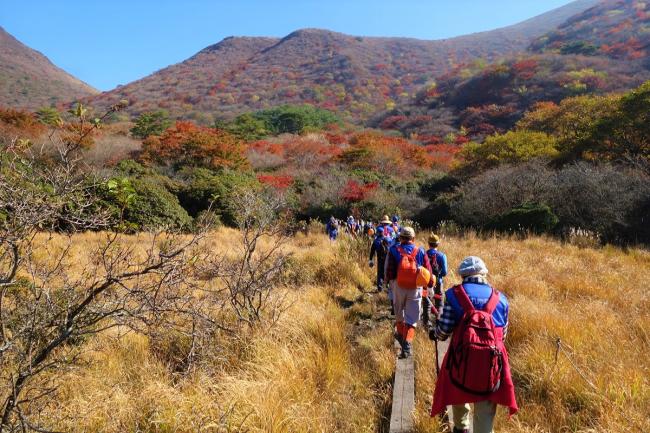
x=280 y=181
x=354 y=192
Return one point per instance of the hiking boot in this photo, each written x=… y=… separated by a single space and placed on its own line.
x=404 y=354
x=406 y=351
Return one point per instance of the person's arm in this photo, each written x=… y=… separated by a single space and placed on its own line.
x=373 y=250
x=505 y=328
x=442 y=262
x=391 y=266
x=446 y=323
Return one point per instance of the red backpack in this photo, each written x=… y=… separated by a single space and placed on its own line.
x=475 y=360
x=407 y=268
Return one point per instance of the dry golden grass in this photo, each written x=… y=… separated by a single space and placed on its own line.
x=596 y=302
x=327 y=365
x=312 y=372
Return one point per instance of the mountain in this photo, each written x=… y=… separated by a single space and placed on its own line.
x=29 y=80
x=619 y=29
x=350 y=74
x=603 y=49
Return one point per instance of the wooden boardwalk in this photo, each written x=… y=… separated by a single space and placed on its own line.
x=401 y=417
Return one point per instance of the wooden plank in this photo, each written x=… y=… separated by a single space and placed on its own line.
x=401 y=418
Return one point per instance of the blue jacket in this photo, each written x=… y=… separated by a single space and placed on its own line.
x=479 y=294
x=377 y=248
x=440 y=258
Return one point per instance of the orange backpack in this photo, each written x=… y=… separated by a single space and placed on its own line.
x=407 y=268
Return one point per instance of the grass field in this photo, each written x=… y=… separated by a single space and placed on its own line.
x=326 y=366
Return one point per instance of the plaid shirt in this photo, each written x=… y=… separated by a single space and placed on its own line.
x=449 y=318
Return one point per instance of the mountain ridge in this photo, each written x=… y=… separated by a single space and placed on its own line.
x=28 y=79
x=355 y=75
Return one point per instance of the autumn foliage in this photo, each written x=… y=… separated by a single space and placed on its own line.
x=389 y=155
x=188 y=144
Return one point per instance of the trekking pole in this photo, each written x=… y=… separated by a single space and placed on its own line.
x=437 y=363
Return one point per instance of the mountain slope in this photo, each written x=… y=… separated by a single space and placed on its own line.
x=353 y=75
x=582 y=56
x=29 y=80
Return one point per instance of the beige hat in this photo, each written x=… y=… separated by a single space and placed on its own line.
x=407 y=233
x=385 y=220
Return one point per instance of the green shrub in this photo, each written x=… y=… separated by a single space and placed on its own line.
x=154 y=206
x=529 y=217
x=206 y=189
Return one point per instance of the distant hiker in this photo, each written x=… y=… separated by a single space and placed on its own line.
x=473 y=373
x=395 y=224
x=332 y=228
x=380 y=248
x=350 y=226
x=438 y=261
x=387 y=224
x=407 y=270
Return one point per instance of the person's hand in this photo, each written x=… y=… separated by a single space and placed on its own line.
x=371 y=263
x=432 y=334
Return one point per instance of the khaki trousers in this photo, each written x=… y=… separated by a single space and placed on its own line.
x=407 y=304
x=483 y=420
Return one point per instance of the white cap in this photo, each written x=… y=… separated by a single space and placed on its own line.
x=472 y=265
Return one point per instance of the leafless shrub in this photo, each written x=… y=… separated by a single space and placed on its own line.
x=246 y=278
x=50 y=305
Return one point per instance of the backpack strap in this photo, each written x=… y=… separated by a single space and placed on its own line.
x=466 y=303
x=492 y=303
x=413 y=254
x=463 y=299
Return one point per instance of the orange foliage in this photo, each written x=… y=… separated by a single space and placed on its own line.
x=443 y=155
x=391 y=155
x=188 y=144
x=19 y=124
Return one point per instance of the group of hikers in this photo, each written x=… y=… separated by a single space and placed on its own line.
x=355 y=227
x=475 y=369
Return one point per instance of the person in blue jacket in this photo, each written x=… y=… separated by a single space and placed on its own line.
x=474 y=273
x=332 y=228
x=379 y=247
x=388 y=227
x=438 y=261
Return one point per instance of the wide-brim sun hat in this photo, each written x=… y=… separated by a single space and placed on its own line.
x=385 y=220
x=434 y=239
x=472 y=265
x=407 y=233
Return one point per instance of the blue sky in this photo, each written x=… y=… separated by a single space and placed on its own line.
x=107 y=43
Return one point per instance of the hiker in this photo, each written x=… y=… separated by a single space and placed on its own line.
x=379 y=247
x=332 y=228
x=395 y=224
x=404 y=271
x=388 y=227
x=350 y=226
x=471 y=373
x=438 y=261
